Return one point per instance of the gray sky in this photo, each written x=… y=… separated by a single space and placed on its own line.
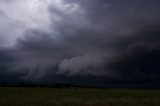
x=113 y=39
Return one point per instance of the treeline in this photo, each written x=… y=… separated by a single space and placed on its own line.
x=56 y=85
x=74 y=86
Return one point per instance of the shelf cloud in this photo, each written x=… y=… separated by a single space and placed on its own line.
x=108 y=40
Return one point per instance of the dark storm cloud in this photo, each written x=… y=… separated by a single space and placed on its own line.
x=114 y=26
x=6 y=64
x=113 y=39
x=140 y=59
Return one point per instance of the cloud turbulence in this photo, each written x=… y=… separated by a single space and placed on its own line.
x=99 y=41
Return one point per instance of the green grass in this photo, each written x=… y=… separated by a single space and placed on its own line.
x=12 y=96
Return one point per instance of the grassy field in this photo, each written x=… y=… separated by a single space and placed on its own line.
x=77 y=97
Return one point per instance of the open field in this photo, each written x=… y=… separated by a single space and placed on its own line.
x=15 y=96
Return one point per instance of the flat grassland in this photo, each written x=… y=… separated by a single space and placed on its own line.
x=19 y=96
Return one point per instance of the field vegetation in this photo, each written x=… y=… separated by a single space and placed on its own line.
x=21 y=96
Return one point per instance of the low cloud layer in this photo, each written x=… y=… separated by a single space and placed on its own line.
x=103 y=39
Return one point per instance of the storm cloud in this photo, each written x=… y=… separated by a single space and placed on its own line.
x=110 y=39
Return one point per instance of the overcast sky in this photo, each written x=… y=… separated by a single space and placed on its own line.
x=100 y=40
